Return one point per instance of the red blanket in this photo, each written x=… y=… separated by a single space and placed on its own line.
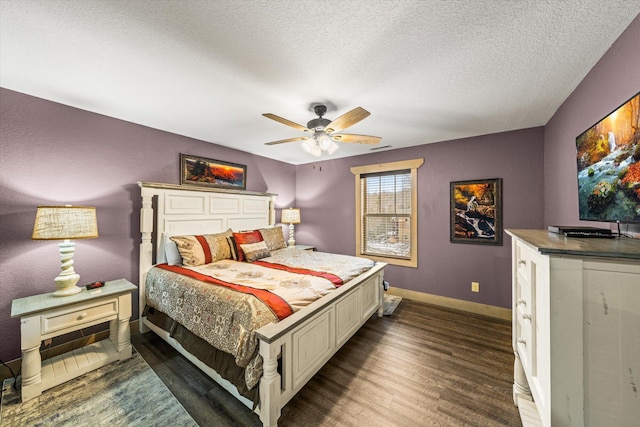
x=337 y=282
x=279 y=306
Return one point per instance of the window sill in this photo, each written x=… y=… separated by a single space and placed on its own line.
x=392 y=261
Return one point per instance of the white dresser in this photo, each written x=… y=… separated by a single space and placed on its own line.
x=576 y=329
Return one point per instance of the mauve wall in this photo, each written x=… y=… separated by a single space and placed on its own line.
x=50 y=153
x=613 y=80
x=325 y=193
x=54 y=154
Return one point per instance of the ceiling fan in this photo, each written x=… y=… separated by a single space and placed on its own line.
x=322 y=132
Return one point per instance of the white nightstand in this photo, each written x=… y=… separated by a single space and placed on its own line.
x=304 y=247
x=45 y=316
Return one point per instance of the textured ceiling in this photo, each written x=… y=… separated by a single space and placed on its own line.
x=427 y=70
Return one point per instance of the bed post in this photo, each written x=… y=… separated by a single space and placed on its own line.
x=269 y=385
x=146 y=249
x=272 y=211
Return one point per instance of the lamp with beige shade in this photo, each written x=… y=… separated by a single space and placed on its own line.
x=65 y=223
x=290 y=216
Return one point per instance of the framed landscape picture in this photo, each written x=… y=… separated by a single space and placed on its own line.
x=476 y=212
x=196 y=170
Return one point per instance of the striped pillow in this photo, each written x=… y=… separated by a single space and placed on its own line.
x=233 y=248
x=203 y=249
x=255 y=251
x=244 y=238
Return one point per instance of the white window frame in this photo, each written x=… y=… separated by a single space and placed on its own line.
x=403 y=165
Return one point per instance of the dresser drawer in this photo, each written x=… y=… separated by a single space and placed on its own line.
x=524 y=257
x=523 y=281
x=523 y=292
x=79 y=316
x=524 y=311
x=525 y=337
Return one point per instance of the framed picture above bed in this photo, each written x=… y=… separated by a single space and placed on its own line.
x=195 y=170
x=476 y=212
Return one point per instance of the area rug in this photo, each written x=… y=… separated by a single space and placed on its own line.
x=390 y=303
x=125 y=393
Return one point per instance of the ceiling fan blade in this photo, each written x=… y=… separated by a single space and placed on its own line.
x=282 y=141
x=286 y=122
x=359 y=139
x=347 y=119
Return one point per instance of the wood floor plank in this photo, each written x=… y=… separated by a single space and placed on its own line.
x=423 y=366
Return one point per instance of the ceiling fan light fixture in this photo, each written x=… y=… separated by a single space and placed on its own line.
x=323 y=140
x=332 y=147
x=316 y=151
x=308 y=144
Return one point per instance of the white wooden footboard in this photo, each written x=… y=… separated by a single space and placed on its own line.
x=307 y=339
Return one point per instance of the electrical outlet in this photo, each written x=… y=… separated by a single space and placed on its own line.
x=475 y=286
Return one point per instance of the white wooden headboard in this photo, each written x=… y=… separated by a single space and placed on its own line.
x=182 y=209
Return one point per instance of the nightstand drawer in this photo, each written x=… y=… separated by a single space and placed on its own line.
x=88 y=315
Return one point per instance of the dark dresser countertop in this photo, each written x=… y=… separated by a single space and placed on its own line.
x=548 y=243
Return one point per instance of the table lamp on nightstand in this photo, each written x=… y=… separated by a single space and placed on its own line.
x=290 y=216
x=65 y=223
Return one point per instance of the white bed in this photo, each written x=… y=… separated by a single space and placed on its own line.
x=302 y=342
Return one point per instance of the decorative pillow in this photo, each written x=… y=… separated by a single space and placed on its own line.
x=273 y=237
x=203 y=249
x=171 y=253
x=255 y=251
x=245 y=238
x=233 y=248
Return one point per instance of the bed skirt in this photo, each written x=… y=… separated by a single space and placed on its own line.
x=223 y=363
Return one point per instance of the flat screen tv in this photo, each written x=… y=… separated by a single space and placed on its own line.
x=608 y=156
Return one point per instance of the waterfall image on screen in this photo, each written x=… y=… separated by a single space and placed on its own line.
x=608 y=158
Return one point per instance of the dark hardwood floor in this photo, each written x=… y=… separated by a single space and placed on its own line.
x=422 y=366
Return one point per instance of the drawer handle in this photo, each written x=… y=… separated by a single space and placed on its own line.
x=522 y=261
x=82 y=316
x=522 y=302
x=526 y=316
x=522 y=341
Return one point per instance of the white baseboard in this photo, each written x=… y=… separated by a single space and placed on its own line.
x=471 y=307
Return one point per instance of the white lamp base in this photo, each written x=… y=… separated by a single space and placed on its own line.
x=67 y=291
x=67 y=279
x=291 y=241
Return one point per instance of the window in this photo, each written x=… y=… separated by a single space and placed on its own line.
x=386 y=220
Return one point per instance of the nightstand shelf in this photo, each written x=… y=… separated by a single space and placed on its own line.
x=72 y=364
x=45 y=316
